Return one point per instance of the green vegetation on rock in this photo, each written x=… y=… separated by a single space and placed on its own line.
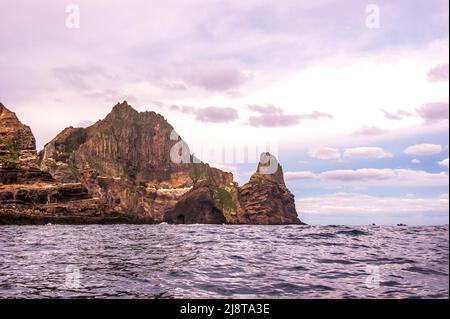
x=12 y=157
x=226 y=200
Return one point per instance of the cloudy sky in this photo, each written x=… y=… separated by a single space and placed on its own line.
x=352 y=96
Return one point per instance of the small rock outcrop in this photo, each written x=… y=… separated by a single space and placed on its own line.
x=265 y=198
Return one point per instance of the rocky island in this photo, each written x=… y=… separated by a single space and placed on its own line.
x=120 y=170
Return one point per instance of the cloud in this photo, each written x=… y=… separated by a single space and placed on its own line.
x=444 y=162
x=376 y=177
x=212 y=75
x=226 y=168
x=387 y=177
x=364 y=174
x=423 y=149
x=315 y=116
x=211 y=114
x=110 y=95
x=366 y=204
x=295 y=176
x=85 y=123
x=438 y=73
x=366 y=152
x=186 y=109
x=415 y=161
x=396 y=116
x=434 y=111
x=325 y=153
x=215 y=114
x=216 y=75
x=265 y=109
x=81 y=77
x=369 y=131
x=273 y=120
x=271 y=116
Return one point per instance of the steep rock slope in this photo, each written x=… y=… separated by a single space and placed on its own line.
x=29 y=195
x=128 y=160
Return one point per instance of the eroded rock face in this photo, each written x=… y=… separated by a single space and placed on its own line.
x=267 y=202
x=196 y=207
x=12 y=130
x=23 y=176
x=15 y=137
x=125 y=159
x=29 y=195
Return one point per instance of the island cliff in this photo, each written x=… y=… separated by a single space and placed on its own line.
x=124 y=169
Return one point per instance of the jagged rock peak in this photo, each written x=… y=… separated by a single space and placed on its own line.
x=14 y=131
x=122 y=111
x=123 y=107
x=269 y=168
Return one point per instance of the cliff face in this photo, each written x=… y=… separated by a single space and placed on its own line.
x=29 y=195
x=134 y=165
x=12 y=130
x=16 y=140
x=125 y=160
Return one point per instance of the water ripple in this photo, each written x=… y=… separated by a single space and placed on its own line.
x=206 y=261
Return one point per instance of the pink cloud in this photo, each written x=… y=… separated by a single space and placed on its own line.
x=212 y=114
x=271 y=116
x=216 y=114
x=438 y=73
x=212 y=75
x=387 y=177
x=434 y=111
x=369 y=131
x=423 y=149
x=366 y=152
x=295 y=176
x=397 y=116
x=325 y=153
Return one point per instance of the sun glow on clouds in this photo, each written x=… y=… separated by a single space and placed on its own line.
x=423 y=149
x=342 y=203
x=375 y=177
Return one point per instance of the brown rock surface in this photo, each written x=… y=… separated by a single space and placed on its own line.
x=133 y=167
x=265 y=199
x=125 y=160
x=12 y=130
x=195 y=207
x=29 y=195
x=15 y=137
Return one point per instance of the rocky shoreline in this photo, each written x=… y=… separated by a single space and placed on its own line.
x=121 y=170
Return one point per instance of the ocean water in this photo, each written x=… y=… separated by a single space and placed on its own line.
x=212 y=261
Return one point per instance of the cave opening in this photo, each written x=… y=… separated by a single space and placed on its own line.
x=181 y=219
